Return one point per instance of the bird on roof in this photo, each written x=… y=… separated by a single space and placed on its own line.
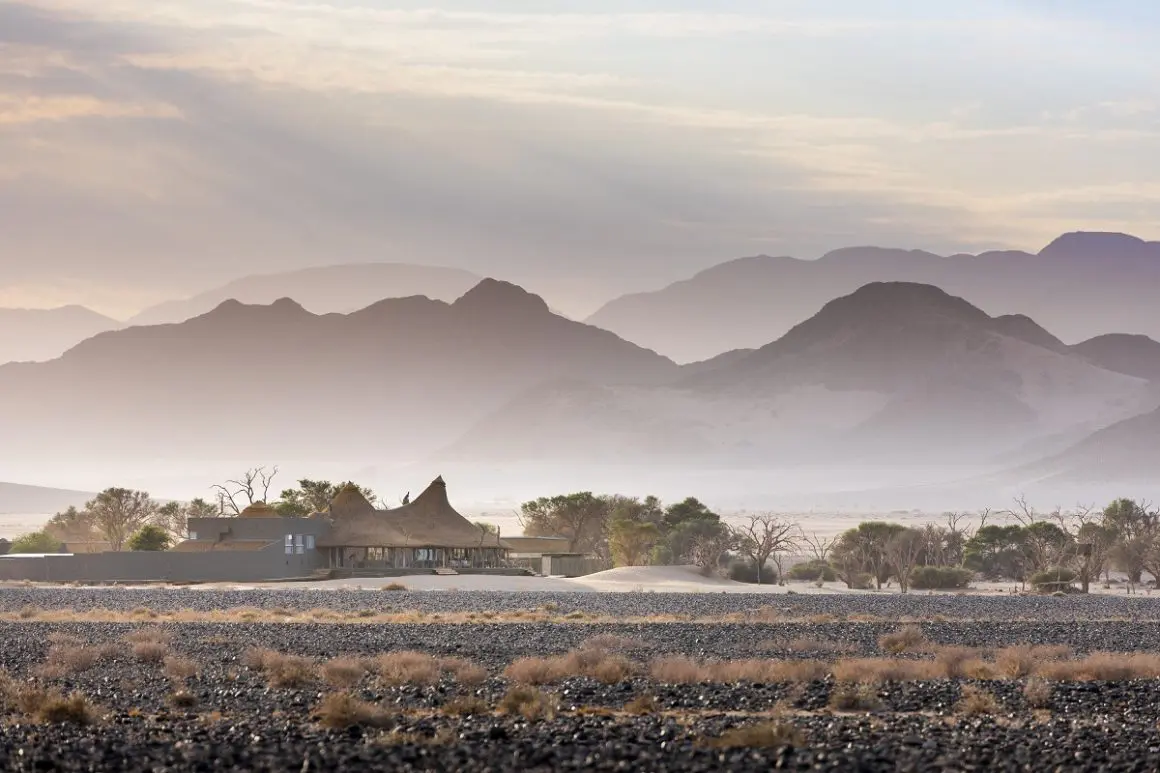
x=407 y=498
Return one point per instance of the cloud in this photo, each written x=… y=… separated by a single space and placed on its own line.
x=164 y=146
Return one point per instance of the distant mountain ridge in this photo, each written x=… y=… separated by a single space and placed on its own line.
x=323 y=289
x=746 y=303
x=387 y=382
x=34 y=335
x=894 y=372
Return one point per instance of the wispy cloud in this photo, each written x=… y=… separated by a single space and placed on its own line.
x=164 y=143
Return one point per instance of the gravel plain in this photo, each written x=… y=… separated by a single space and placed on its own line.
x=231 y=714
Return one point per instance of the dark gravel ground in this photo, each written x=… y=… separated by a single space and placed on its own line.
x=888 y=605
x=240 y=722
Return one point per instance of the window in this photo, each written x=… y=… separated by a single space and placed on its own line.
x=298 y=544
x=289 y=544
x=310 y=542
x=193 y=535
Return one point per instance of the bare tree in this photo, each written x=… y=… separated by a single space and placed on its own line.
x=238 y=493
x=763 y=536
x=818 y=546
x=903 y=550
x=118 y=513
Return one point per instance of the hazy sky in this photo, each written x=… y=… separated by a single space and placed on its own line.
x=154 y=147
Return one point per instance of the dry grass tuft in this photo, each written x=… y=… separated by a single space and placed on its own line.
x=677 y=669
x=641 y=705
x=64 y=659
x=464 y=672
x=529 y=703
x=180 y=668
x=873 y=670
x=54 y=708
x=768 y=735
x=341 y=710
x=289 y=671
x=149 y=635
x=1021 y=660
x=395 y=586
x=976 y=701
x=466 y=707
x=819 y=646
x=344 y=672
x=593 y=662
x=908 y=638
x=1038 y=693
x=150 y=651
x=854 y=697
x=1102 y=667
x=408 y=667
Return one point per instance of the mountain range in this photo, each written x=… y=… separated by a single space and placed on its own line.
x=1081 y=285
x=42 y=334
x=396 y=379
x=894 y=373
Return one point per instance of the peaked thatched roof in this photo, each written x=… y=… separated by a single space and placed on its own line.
x=259 y=510
x=349 y=502
x=427 y=521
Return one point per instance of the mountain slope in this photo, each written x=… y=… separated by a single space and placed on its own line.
x=325 y=289
x=1135 y=355
x=892 y=372
x=277 y=382
x=17 y=498
x=748 y=302
x=42 y=334
x=1126 y=452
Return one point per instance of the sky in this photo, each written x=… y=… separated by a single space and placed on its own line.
x=151 y=149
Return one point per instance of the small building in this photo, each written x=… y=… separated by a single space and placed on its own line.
x=426 y=533
x=552 y=557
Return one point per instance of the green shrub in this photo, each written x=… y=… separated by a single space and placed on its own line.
x=940 y=577
x=149 y=537
x=746 y=571
x=36 y=542
x=1057 y=578
x=812 y=571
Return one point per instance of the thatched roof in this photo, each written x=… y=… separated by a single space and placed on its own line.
x=259 y=510
x=349 y=502
x=428 y=521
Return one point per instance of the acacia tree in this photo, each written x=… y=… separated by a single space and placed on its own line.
x=119 y=512
x=72 y=524
x=314 y=496
x=174 y=517
x=631 y=541
x=252 y=486
x=762 y=536
x=903 y=551
x=581 y=518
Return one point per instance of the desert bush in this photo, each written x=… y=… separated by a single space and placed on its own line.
x=1021 y=660
x=854 y=697
x=1057 y=578
x=1037 y=693
x=180 y=668
x=940 y=578
x=150 y=651
x=1102 y=667
x=342 y=710
x=908 y=638
x=812 y=571
x=469 y=706
x=344 y=672
x=73 y=659
x=281 y=670
x=463 y=671
x=54 y=708
x=975 y=701
x=767 y=735
x=961 y=663
x=394 y=586
x=742 y=570
x=677 y=669
x=641 y=705
x=529 y=703
x=408 y=667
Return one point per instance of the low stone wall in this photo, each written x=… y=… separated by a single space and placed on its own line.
x=226 y=566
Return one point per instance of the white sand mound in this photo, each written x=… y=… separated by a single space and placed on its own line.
x=660 y=578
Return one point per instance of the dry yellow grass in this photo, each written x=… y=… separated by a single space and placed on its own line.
x=975 y=701
x=289 y=671
x=767 y=735
x=180 y=668
x=407 y=667
x=529 y=703
x=150 y=651
x=342 y=710
x=908 y=638
x=344 y=672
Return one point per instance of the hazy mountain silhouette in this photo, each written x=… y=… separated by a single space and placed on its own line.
x=1080 y=285
x=324 y=289
x=42 y=334
x=17 y=498
x=1136 y=355
x=1126 y=451
x=390 y=381
x=892 y=372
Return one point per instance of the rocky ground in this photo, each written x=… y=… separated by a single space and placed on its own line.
x=166 y=694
